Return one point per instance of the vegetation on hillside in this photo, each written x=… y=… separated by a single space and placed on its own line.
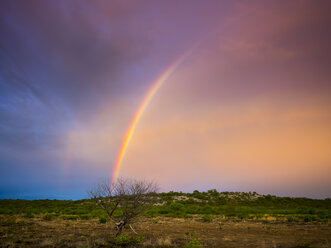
x=210 y=204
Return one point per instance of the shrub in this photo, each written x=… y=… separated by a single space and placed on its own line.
x=102 y=220
x=70 y=217
x=242 y=216
x=312 y=211
x=127 y=240
x=48 y=217
x=208 y=209
x=28 y=215
x=155 y=221
x=9 y=221
x=232 y=205
x=193 y=244
x=307 y=218
x=213 y=192
x=207 y=218
x=292 y=219
x=303 y=245
x=85 y=217
x=176 y=207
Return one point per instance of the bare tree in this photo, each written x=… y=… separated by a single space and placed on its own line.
x=129 y=197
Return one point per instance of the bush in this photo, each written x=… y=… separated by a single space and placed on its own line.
x=303 y=245
x=307 y=218
x=193 y=244
x=9 y=221
x=48 y=217
x=155 y=221
x=242 y=216
x=176 y=207
x=85 y=217
x=291 y=218
x=70 y=217
x=28 y=215
x=207 y=218
x=102 y=220
x=127 y=240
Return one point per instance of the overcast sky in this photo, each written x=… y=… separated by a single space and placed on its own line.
x=248 y=110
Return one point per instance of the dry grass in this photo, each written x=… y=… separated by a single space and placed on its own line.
x=164 y=241
x=166 y=232
x=47 y=243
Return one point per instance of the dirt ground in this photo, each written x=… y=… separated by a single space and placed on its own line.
x=164 y=232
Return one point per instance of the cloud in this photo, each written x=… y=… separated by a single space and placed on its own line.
x=59 y=63
x=255 y=142
x=84 y=50
x=250 y=143
x=73 y=73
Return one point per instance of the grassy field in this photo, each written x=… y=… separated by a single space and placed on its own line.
x=198 y=219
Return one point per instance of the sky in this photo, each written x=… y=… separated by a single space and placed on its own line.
x=249 y=109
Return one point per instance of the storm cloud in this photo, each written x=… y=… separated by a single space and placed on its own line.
x=72 y=74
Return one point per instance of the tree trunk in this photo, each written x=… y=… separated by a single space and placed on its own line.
x=119 y=226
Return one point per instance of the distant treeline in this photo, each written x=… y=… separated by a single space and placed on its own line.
x=210 y=204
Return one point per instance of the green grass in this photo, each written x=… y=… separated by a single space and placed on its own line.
x=70 y=217
x=124 y=240
x=49 y=216
x=207 y=218
x=193 y=244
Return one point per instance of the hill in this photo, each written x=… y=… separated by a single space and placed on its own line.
x=190 y=220
x=234 y=205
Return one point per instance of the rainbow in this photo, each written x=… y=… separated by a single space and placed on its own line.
x=148 y=97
